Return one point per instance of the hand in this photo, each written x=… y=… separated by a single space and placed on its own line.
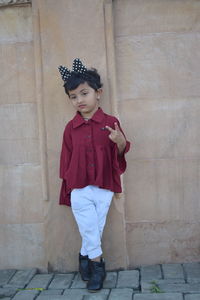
x=117 y=137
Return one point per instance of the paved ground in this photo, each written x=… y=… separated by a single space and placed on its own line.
x=158 y=282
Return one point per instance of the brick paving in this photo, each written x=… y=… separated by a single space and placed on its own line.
x=157 y=282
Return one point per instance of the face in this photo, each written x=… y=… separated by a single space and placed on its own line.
x=85 y=99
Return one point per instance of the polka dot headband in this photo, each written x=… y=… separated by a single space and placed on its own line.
x=77 y=67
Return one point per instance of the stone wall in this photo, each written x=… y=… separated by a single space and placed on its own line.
x=149 y=63
x=157 y=50
x=21 y=200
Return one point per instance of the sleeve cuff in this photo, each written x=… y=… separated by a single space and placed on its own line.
x=121 y=157
x=65 y=194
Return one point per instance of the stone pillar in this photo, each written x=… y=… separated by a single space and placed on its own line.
x=70 y=29
x=22 y=199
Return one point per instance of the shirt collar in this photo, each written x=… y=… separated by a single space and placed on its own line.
x=97 y=117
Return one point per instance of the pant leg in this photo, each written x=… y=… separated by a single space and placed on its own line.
x=84 y=211
x=103 y=200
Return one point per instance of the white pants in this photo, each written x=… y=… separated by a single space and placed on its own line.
x=90 y=206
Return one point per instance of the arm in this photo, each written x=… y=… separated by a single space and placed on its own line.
x=65 y=158
x=117 y=137
x=122 y=146
x=66 y=152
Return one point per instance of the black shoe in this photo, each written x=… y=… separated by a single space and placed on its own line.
x=98 y=274
x=84 y=267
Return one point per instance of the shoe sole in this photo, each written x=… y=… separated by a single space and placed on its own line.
x=95 y=291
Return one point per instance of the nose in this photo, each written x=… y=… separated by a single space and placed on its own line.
x=79 y=99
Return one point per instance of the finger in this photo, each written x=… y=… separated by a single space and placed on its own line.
x=116 y=126
x=109 y=128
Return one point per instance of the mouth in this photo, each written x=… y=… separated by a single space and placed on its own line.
x=82 y=106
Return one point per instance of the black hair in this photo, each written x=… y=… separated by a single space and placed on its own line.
x=91 y=76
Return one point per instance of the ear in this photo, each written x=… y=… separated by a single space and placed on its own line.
x=99 y=93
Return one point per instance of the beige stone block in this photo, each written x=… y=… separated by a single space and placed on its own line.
x=21 y=198
x=16 y=24
x=114 y=237
x=19 y=151
x=158 y=65
x=143 y=17
x=18 y=121
x=84 y=42
x=22 y=246
x=61 y=48
x=162 y=128
x=162 y=190
x=17 y=72
x=62 y=237
x=154 y=243
x=68 y=17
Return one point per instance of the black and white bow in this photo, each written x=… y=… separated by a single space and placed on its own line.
x=77 y=67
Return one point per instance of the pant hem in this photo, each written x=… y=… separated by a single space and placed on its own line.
x=95 y=253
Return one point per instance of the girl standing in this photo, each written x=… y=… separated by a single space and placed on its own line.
x=92 y=160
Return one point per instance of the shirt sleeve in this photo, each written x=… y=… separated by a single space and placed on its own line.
x=120 y=157
x=66 y=152
x=65 y=158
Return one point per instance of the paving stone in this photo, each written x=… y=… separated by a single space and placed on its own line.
x=61 y=281
x=5 y=276
x=77 y=294
x=192 y=297
x=21 y=278
x=26 y=295
x=7 y=292
x=110 y=281
x=121 y=294
x=173 y=271
x=40 y=281
x=172 y=287
x=151 y=272
x=169 y=280
x=192 y=272
x=95 y=297
x=147 y=286
x=55 y=297
x=78 y=283
x=169 y=296
x=52 y=292
x=128 y=279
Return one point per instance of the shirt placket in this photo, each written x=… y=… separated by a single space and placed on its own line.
x=90 y=153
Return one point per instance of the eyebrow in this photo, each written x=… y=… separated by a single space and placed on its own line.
x=83 y=90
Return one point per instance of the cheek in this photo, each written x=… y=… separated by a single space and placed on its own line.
x=73 y=103
x=94 y=101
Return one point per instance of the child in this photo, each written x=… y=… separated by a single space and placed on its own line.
x=92 y=159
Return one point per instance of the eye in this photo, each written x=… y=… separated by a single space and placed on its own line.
x=84 y=93
x=72 y=97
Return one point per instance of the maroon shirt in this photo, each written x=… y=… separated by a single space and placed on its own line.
x=89 y=157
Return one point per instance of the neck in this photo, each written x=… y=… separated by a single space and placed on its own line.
x=89 y=115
